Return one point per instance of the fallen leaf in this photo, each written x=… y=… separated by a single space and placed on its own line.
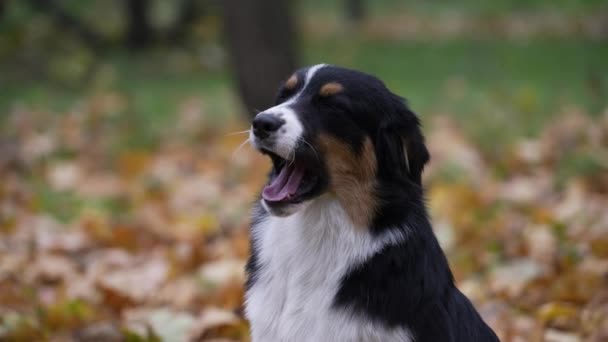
x=212 y=321
x=541 y=244
x=64 y=176
x=513 y=276
x=136 y=282
x=553 y=335
x=559 y=315
x=51 y=268
x=221 y=272
x=101 y=331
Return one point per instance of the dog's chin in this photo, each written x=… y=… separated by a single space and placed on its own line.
x=283 y=209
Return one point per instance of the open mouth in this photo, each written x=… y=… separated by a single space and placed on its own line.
x=290 y=182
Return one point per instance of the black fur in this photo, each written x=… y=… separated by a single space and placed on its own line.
x=253 y=265
x=409 y=284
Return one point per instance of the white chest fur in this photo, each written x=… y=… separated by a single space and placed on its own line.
x=303 y=258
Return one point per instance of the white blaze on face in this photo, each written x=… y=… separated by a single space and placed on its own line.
x=287 y=137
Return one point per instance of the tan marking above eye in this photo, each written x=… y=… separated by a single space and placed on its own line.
x=292 y=82
x=331 y=88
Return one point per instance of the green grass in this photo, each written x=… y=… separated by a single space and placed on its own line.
x=149 y=84
x=502 y=89
x=152 y=89
x=496 y=90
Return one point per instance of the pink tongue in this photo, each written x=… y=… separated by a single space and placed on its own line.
x=284 y=185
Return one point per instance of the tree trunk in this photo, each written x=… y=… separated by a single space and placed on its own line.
x=139 y=32
x=69 y=22
x=355 y=11
x=261 y=39
x=189 y=12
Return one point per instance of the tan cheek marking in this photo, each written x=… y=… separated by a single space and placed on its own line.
x=291 y=82
x=352 y=178
x=331 y=88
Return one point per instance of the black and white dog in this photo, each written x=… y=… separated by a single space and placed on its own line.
x=341 y=245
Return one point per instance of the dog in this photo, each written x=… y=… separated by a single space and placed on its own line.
x=342 y=248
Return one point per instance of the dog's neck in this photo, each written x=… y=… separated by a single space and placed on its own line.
x=323 y=228
x=326 y=219
x=320 y=234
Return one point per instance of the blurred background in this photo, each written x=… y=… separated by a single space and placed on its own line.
x=126 y=186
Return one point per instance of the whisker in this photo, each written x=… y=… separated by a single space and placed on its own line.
x=239 y=148
x=240 y=132
x=312 y=148
x=291 y=160
x=291 y=157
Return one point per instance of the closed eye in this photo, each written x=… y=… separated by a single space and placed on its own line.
x=337 y=102
x=284 y=94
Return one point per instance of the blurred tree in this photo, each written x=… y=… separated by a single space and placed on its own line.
x=261 y=38
x=189 y=13
x=355 y=11
x=139 y=31
x=67 y=21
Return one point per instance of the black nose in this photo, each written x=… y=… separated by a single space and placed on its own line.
x=264 y=124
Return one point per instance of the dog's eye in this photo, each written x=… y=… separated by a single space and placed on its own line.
x=283 y=95
x=337 y=102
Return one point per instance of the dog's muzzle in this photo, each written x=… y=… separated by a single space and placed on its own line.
x=265 y=125
x=277 y=130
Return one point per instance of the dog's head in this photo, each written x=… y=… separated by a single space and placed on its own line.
x=338 y=132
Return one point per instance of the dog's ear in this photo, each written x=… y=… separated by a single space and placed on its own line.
x=400 y=147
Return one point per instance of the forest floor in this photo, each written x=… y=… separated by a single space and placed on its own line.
x=105 y=240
